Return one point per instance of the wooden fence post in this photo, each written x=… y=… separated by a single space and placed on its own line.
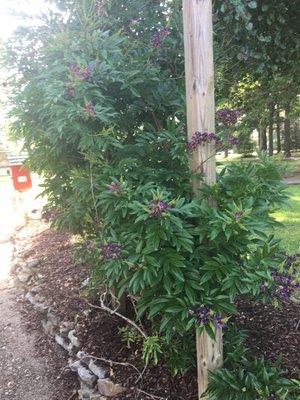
x=199 y=69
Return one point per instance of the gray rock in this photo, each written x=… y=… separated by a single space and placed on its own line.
x=20 y=285
x=35 y=290
x=86 y=376
x=107 y=388
x=55 y=321
x=66 y=327
x=37 y=303
x=83 y=357
x=28 y=271
x=33 y=263
x=97 y=369
x=74 y=365
x=48 y=327
x=86 y=390
x=73 y=339
x=61 y=342
x=24 y=277
x=86 y=393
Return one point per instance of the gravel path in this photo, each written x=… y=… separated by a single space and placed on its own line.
x=22 y=374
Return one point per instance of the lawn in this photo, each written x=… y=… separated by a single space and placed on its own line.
x=289 y=215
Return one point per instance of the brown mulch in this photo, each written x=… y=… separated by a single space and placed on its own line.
x=101 y=338
x=272 y=332
x=62 y=276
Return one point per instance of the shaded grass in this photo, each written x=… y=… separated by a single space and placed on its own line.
x=289 y=215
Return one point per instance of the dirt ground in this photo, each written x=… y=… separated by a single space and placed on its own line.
x=23 y=374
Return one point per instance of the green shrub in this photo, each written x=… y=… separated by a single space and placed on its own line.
x=100 y=104
x=244 y=377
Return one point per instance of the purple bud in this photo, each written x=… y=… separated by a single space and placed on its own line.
x=90 y=110
x=233 y=141
x=200 y=138
x=219 y=322
x=229 y=117
x=70 y=92
x=135 y=21
x=238 y=215
x=82 y=74
x=111 y=251
x=158 y=208
x=159 y=37
x=115 y=188
x=202 y=314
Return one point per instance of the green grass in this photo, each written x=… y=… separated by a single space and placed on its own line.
x=289 y=215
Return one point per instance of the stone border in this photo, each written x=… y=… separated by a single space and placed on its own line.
x=93 y=377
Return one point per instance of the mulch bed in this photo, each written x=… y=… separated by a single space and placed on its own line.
x=62 y=275
x=272 y=332
x=101 y=338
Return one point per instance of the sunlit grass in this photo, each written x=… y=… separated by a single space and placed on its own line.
x=289 y=215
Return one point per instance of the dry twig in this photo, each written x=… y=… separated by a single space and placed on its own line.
x=114 y=312
x=125 y=364
x=151 y=395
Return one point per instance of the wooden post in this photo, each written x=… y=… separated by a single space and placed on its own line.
x=199 y=69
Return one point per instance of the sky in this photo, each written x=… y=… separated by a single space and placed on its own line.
x=9 y=22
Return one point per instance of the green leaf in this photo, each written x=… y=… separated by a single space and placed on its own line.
x=252 y=4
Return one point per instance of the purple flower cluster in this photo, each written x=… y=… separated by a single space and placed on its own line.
x=262 y=288
x=200 y=138
x=238 y=215
x=115 y=188
x=111 y=251
x=134 y=21
x=158 y=207
x=48 y=215
x=70 y=92
x=233 y=141
x=83 y=74
x=229 y=117
x=285 y=286
x=159 y=37
x=291 y=259
x=90 y=110
x=204 y=316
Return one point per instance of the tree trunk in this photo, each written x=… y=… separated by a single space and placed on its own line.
x=263 y=138
x=287 y=132
x=271 y=123
x=278 y=129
